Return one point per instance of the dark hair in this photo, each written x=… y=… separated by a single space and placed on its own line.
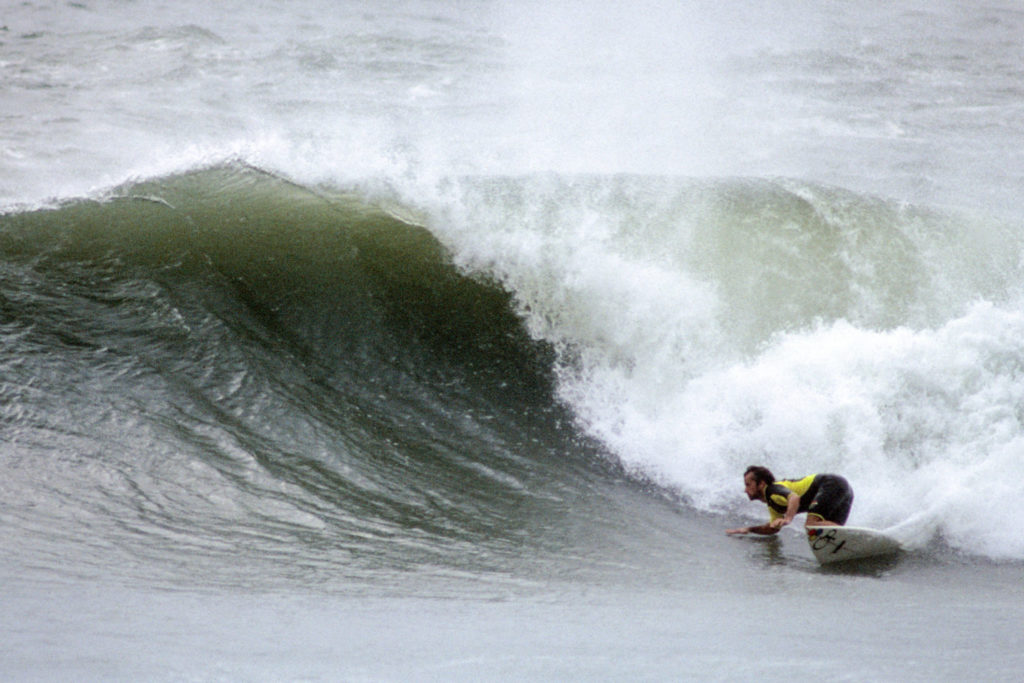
x=761 y=474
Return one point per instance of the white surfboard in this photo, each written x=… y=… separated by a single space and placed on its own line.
x=840 y=543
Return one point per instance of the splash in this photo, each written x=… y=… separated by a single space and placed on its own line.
x=702 y=326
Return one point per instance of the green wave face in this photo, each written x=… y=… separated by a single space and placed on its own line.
x=227 y=358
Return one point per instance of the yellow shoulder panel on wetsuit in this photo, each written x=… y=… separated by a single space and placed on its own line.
x=774 y=514
x=798 y=486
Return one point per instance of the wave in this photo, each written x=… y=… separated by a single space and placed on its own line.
x=225 y=355
x=468 y=375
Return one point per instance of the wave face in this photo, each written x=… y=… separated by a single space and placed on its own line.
x=228 y=363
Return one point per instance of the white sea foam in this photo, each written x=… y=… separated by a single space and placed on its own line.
x=911 y=385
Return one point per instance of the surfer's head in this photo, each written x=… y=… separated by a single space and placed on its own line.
x=755 y=480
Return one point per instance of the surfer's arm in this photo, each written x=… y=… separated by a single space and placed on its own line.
x=764 y=530
x=792 y=505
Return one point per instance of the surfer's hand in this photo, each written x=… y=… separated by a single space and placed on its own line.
x=779 y=522
x=732 y=532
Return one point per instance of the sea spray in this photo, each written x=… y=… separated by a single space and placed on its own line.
x=705 y=325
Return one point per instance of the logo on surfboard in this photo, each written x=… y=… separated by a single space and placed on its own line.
x=822 y=538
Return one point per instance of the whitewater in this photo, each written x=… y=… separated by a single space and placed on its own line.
x=429 y=340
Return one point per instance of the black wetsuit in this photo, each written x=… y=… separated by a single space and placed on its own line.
x=827 y=496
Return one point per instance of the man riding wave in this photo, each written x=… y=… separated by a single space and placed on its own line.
x=826 y=498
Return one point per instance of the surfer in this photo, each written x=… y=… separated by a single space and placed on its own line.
x=826 y=498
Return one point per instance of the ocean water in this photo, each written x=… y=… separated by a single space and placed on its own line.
x=429 y=340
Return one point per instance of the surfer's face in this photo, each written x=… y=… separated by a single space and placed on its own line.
x=754 y=489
